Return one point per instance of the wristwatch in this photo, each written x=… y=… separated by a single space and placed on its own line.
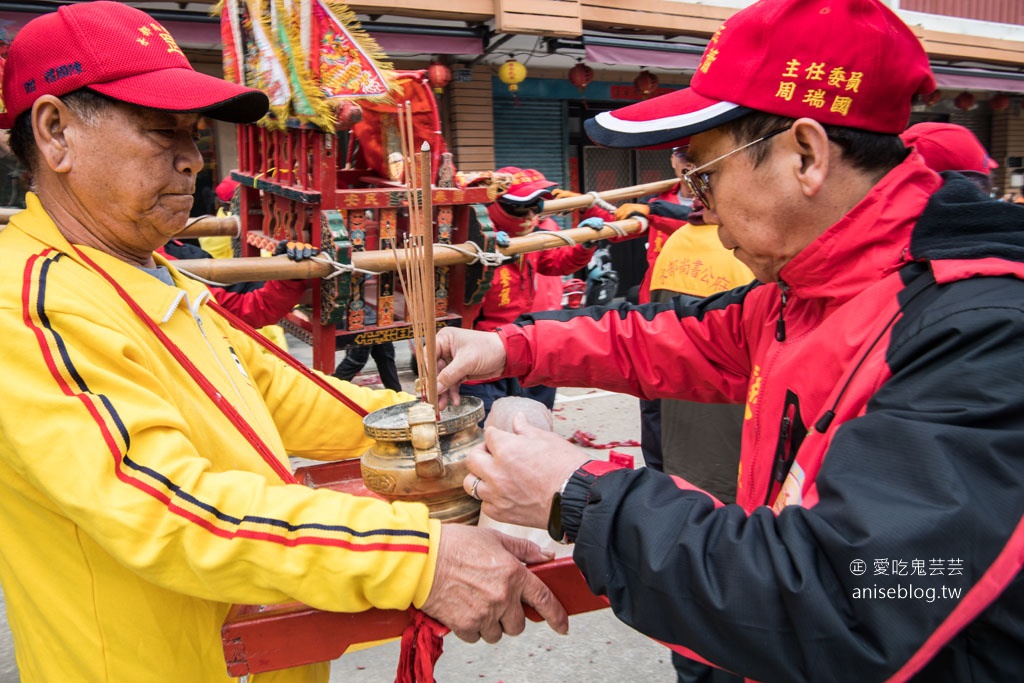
x=575 y=493
x=555 y=529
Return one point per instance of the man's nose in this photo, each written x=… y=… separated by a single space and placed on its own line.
x=189 y=159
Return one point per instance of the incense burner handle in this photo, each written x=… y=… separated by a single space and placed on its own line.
x=423 y=432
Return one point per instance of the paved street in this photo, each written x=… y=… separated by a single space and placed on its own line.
x=8 y=669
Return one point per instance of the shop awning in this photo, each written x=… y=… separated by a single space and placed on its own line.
x=205 y=34
x=978 y=79
x=438 y=45
x=198 y=35
x=606 y=54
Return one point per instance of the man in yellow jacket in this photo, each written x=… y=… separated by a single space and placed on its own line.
x=144 y=481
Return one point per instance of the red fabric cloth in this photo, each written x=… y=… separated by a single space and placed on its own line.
x=422 y=645
x=378 y=132
x=586 y=439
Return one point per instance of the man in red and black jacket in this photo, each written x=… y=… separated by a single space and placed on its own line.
x=878 y=530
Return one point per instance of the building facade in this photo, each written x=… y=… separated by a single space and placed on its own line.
x=976 y=48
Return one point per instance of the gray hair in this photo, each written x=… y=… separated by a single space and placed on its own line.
x=85 y=104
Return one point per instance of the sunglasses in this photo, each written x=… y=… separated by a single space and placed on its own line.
x=521 y=210
x=699 y=180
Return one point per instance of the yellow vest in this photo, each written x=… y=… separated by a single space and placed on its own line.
x=693 y=261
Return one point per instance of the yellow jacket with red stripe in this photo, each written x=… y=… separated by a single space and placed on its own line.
x=132 y=511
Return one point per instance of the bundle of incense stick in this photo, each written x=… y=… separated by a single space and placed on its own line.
x=416 y=273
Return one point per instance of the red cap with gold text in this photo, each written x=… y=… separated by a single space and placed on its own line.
x=120 y=52
x=850 y=63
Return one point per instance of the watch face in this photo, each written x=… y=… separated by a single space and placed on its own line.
x=555 y=518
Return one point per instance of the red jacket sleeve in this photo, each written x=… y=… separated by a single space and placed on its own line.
x=706 y=340
x=562 y=260
x=263 y=306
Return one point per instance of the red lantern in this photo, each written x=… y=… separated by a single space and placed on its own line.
x=581 y=75
x=646 y=83
x=439 y=76
x=965 y=101
x=933 y=98
x=999 y=102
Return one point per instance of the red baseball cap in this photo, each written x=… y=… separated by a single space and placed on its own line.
x=225 y=189
x=948 y=147
x=120 y=52
x=849 y=63
x=527 y=184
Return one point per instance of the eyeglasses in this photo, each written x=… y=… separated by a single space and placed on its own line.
x=521 y=210
x=699 y=182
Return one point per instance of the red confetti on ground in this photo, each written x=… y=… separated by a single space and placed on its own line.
x=585 y=439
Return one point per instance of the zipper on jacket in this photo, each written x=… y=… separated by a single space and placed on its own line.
x=791 y=435
x=780 y=324
x=227 y=373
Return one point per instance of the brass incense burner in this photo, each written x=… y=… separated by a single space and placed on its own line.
x=418 y=458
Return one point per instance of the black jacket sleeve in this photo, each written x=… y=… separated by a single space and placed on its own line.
x=679 y=212
x=931 y=475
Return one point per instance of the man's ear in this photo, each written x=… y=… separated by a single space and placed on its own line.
x=50 y=121
x=812 y=145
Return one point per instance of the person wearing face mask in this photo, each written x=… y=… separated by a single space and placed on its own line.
x=519 y=285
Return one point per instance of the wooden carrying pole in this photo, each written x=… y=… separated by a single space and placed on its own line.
x=256 y=268
x=6 y=212
x=584 y=201
x=210 y=226
x=206 y=226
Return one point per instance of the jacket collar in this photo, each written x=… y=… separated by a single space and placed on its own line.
x=157 y=299
x=963 y=223
x=870 y=241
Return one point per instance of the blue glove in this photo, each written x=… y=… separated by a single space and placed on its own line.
x=594 y=223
